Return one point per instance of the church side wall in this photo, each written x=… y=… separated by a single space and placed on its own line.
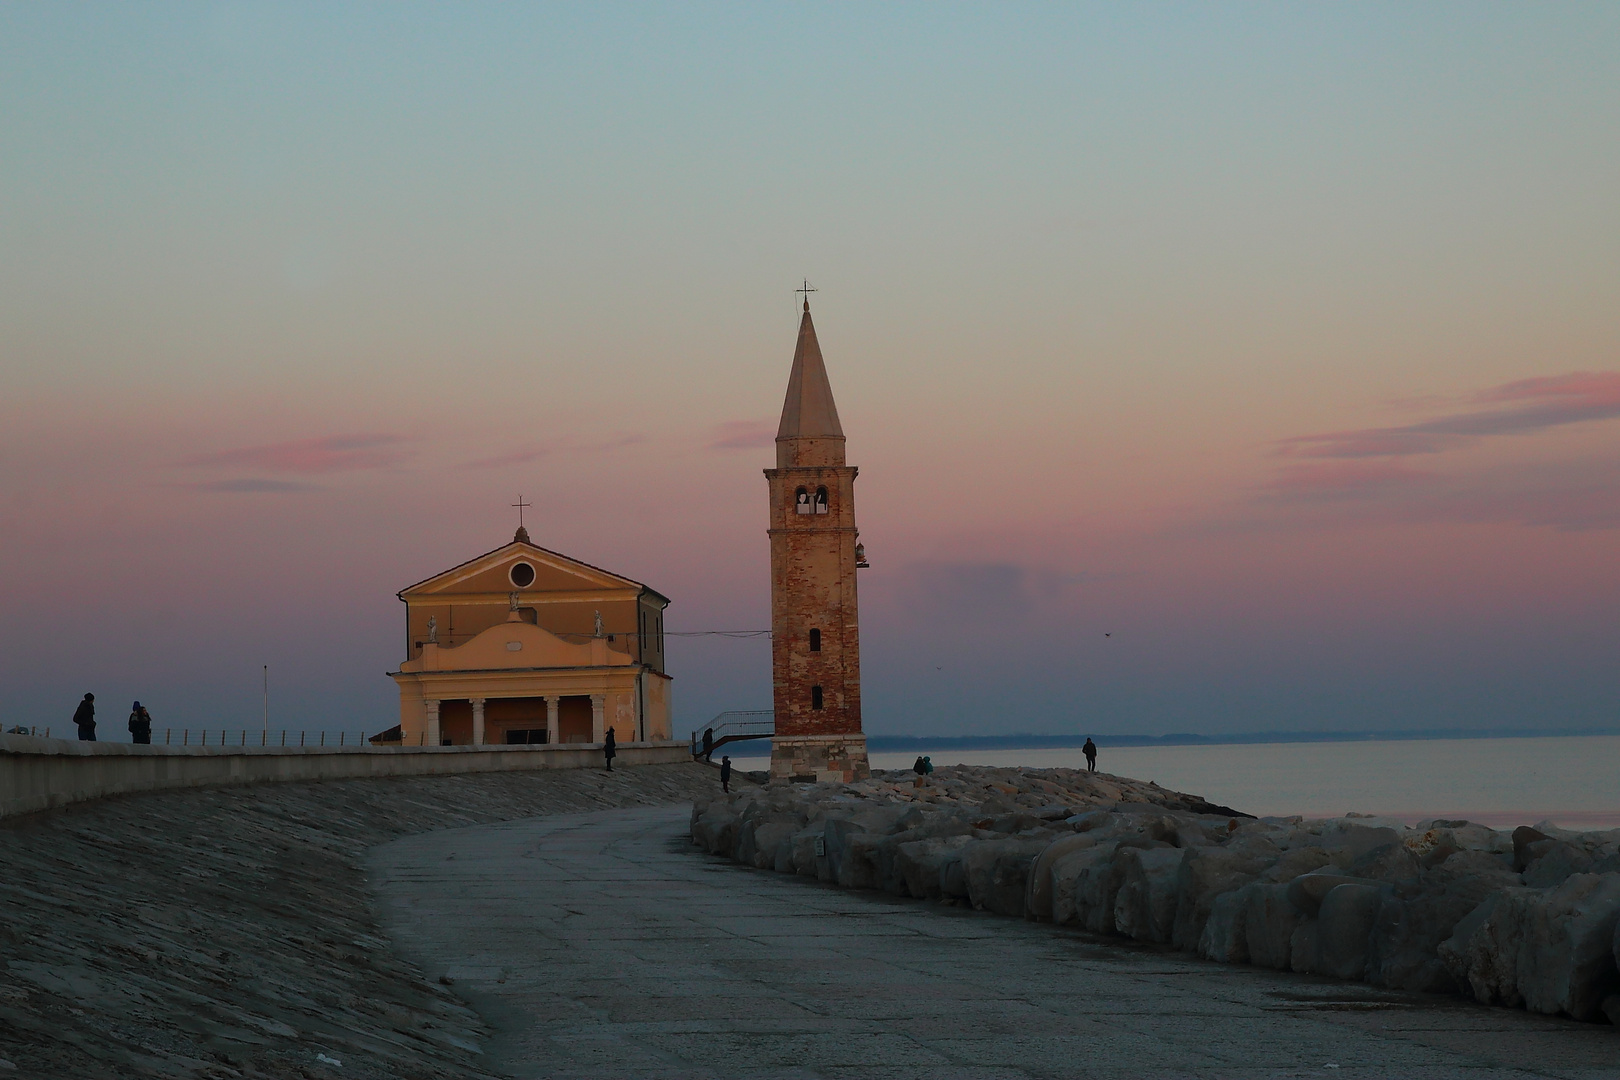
x=37 y=774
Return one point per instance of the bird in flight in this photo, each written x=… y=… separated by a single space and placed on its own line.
x=1107 y=634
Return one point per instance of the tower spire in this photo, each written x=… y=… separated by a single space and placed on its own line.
x=809 y=433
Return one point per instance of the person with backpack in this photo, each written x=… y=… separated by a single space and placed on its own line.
x=609 y=749
x=140 y=725
x=725 y=774
x=84 y=718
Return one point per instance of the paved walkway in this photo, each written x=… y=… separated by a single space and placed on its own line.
x=603 y=945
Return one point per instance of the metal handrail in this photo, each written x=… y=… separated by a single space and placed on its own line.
x=735 y=726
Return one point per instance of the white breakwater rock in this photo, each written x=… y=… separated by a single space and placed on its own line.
x=1529 y=918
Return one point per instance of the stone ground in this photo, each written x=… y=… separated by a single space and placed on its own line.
x=603 y=945
x=230 y=932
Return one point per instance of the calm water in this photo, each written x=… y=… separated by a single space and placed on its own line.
x=1574 y=781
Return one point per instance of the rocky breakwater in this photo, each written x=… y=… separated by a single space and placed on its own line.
x=1525 y=918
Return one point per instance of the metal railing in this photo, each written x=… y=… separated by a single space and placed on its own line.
x=735 y=726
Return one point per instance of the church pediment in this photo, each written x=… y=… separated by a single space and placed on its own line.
x=520 y=567
x=517 y=645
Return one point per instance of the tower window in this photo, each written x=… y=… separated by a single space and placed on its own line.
x=802 y=503
x=815 y=641
x=522 y=575
x=821 y=500
x=815 y=697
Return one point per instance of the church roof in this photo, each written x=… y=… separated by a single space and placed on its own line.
x=522 y=545
x=809 y=411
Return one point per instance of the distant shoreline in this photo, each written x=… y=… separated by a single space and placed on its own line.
x=892 y=744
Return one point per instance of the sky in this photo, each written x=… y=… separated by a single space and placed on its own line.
x=1209 y=368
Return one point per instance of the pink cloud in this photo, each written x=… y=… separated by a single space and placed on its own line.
x=331 y=453
x=1342 y=478
x=1531 y=405
x=743 y=435
x=526 y=454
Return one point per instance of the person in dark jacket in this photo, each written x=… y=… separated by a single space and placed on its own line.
x=708 y=743
x=1091 y=754
x=84 y=717
x=609 y=748
x=725 y=775
x=140 y=725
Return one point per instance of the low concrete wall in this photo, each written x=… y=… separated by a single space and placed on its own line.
x=36 y=773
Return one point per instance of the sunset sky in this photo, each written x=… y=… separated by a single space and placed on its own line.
x=1279 y=342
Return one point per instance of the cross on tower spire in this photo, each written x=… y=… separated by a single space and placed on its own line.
x=807 y=290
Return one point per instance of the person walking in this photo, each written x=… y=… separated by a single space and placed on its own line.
x=140 y=725
x=725 y=774
x=1091 y=754
x=84 y=717
x=708 y=743
x=609 y=749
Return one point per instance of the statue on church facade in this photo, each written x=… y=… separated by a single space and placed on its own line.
x=433 y=629
x=599 y=632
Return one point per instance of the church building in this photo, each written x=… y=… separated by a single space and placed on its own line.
x=815 y=551
x=523 y=645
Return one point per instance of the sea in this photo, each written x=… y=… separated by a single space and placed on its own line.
x=1572 y=781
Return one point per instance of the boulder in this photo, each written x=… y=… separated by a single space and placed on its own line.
x=919 y=863
x=1413 y=922
x=1224 y=938
x=1347 y=840
x=1550 y=950
x=1269 y=922
x=856 y=867
x=715 y=831
x=1207 y=873
x=1067 y=874
x=1095 y=887
x=1388 y=862
x=1344 y=927
x=1549 y=862
x=998 y=872
x=767 y=841
x=1307 y=891
x=1145 y=905
x=1038 y=904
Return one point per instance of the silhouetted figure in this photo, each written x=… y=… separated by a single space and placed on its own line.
x=725 y=775
x=928 y=765
x=609 y=749
x=708 y=743
x=84 y=717
x=917 y=766
x=1091 y=754
x=140 y=725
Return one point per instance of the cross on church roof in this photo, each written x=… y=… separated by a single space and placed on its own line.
x=807 y=290
x=520 y=504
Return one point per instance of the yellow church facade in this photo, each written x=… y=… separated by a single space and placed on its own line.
x=525 y=645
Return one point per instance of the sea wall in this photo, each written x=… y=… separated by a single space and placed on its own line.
x=37 y=774
x=1529 y=918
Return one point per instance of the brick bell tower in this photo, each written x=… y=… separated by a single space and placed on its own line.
x=815 y=636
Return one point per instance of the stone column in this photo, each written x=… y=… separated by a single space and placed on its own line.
x=552 y=731
x=598 y=718
x=431 y=728
x=478 y=721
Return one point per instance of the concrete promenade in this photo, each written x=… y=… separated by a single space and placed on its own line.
x=40 y=774
x=602 y=945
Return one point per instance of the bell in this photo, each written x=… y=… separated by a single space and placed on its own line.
x=860 y=558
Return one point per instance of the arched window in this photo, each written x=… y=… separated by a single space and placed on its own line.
x=802 y=503
x=815 y=641
x=815 y=697
x=821 y=500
